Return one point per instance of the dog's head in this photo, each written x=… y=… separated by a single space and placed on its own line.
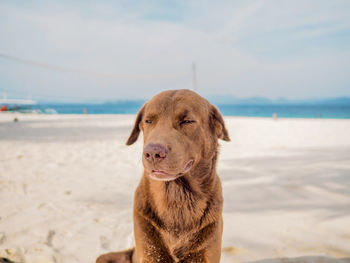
x=180 y=129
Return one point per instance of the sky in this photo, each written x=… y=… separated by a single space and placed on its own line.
x=105 y=50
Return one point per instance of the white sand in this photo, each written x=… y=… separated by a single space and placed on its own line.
x=67 y=182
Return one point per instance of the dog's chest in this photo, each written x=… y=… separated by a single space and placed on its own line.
x=173 y=241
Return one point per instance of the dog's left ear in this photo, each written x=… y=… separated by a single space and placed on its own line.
x=217 y=124
x=136 y=130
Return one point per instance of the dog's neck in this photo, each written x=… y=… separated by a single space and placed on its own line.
x=188 y=200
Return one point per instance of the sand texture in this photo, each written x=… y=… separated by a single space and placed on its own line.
x=67 y=183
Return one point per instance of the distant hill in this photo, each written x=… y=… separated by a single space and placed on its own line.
x=221 y=100
x=337 y=101
x=231 y=100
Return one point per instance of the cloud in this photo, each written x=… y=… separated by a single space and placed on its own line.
x=243 y=48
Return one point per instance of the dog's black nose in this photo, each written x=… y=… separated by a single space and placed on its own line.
x=155 y=152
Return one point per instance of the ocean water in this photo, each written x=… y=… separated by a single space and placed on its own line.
x=124 y=107
x=288 y=111
x=282 y=111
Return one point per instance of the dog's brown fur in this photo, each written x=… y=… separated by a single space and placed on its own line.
x=179 y=219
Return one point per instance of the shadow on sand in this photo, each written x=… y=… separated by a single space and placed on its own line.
x=305 y=259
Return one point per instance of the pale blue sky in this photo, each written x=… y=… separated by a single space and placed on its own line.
x=132 y=49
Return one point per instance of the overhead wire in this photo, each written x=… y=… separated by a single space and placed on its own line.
x=91 y=73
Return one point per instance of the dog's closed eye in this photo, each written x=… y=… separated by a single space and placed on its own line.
x=184 y=122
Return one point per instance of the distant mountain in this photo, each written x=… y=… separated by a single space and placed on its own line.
x=231 y=100
x=228 y=99
x=138 y=102
x=337 y=101
x=221 y=100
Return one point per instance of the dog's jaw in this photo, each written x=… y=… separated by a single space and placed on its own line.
x=160 y=175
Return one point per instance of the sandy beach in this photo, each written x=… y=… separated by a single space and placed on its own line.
x=67 y=183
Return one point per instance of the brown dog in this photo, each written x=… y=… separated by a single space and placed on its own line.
x=178 y=203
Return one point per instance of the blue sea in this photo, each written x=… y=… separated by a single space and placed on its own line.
x=282 y=111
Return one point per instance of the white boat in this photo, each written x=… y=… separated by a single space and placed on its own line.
x=16 y=104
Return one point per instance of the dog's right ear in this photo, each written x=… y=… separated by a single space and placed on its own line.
x=136 y=130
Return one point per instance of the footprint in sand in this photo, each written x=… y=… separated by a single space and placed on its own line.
x=104 y=242
x=2 y=237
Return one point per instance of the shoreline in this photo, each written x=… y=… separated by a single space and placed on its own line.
x=134 y=114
